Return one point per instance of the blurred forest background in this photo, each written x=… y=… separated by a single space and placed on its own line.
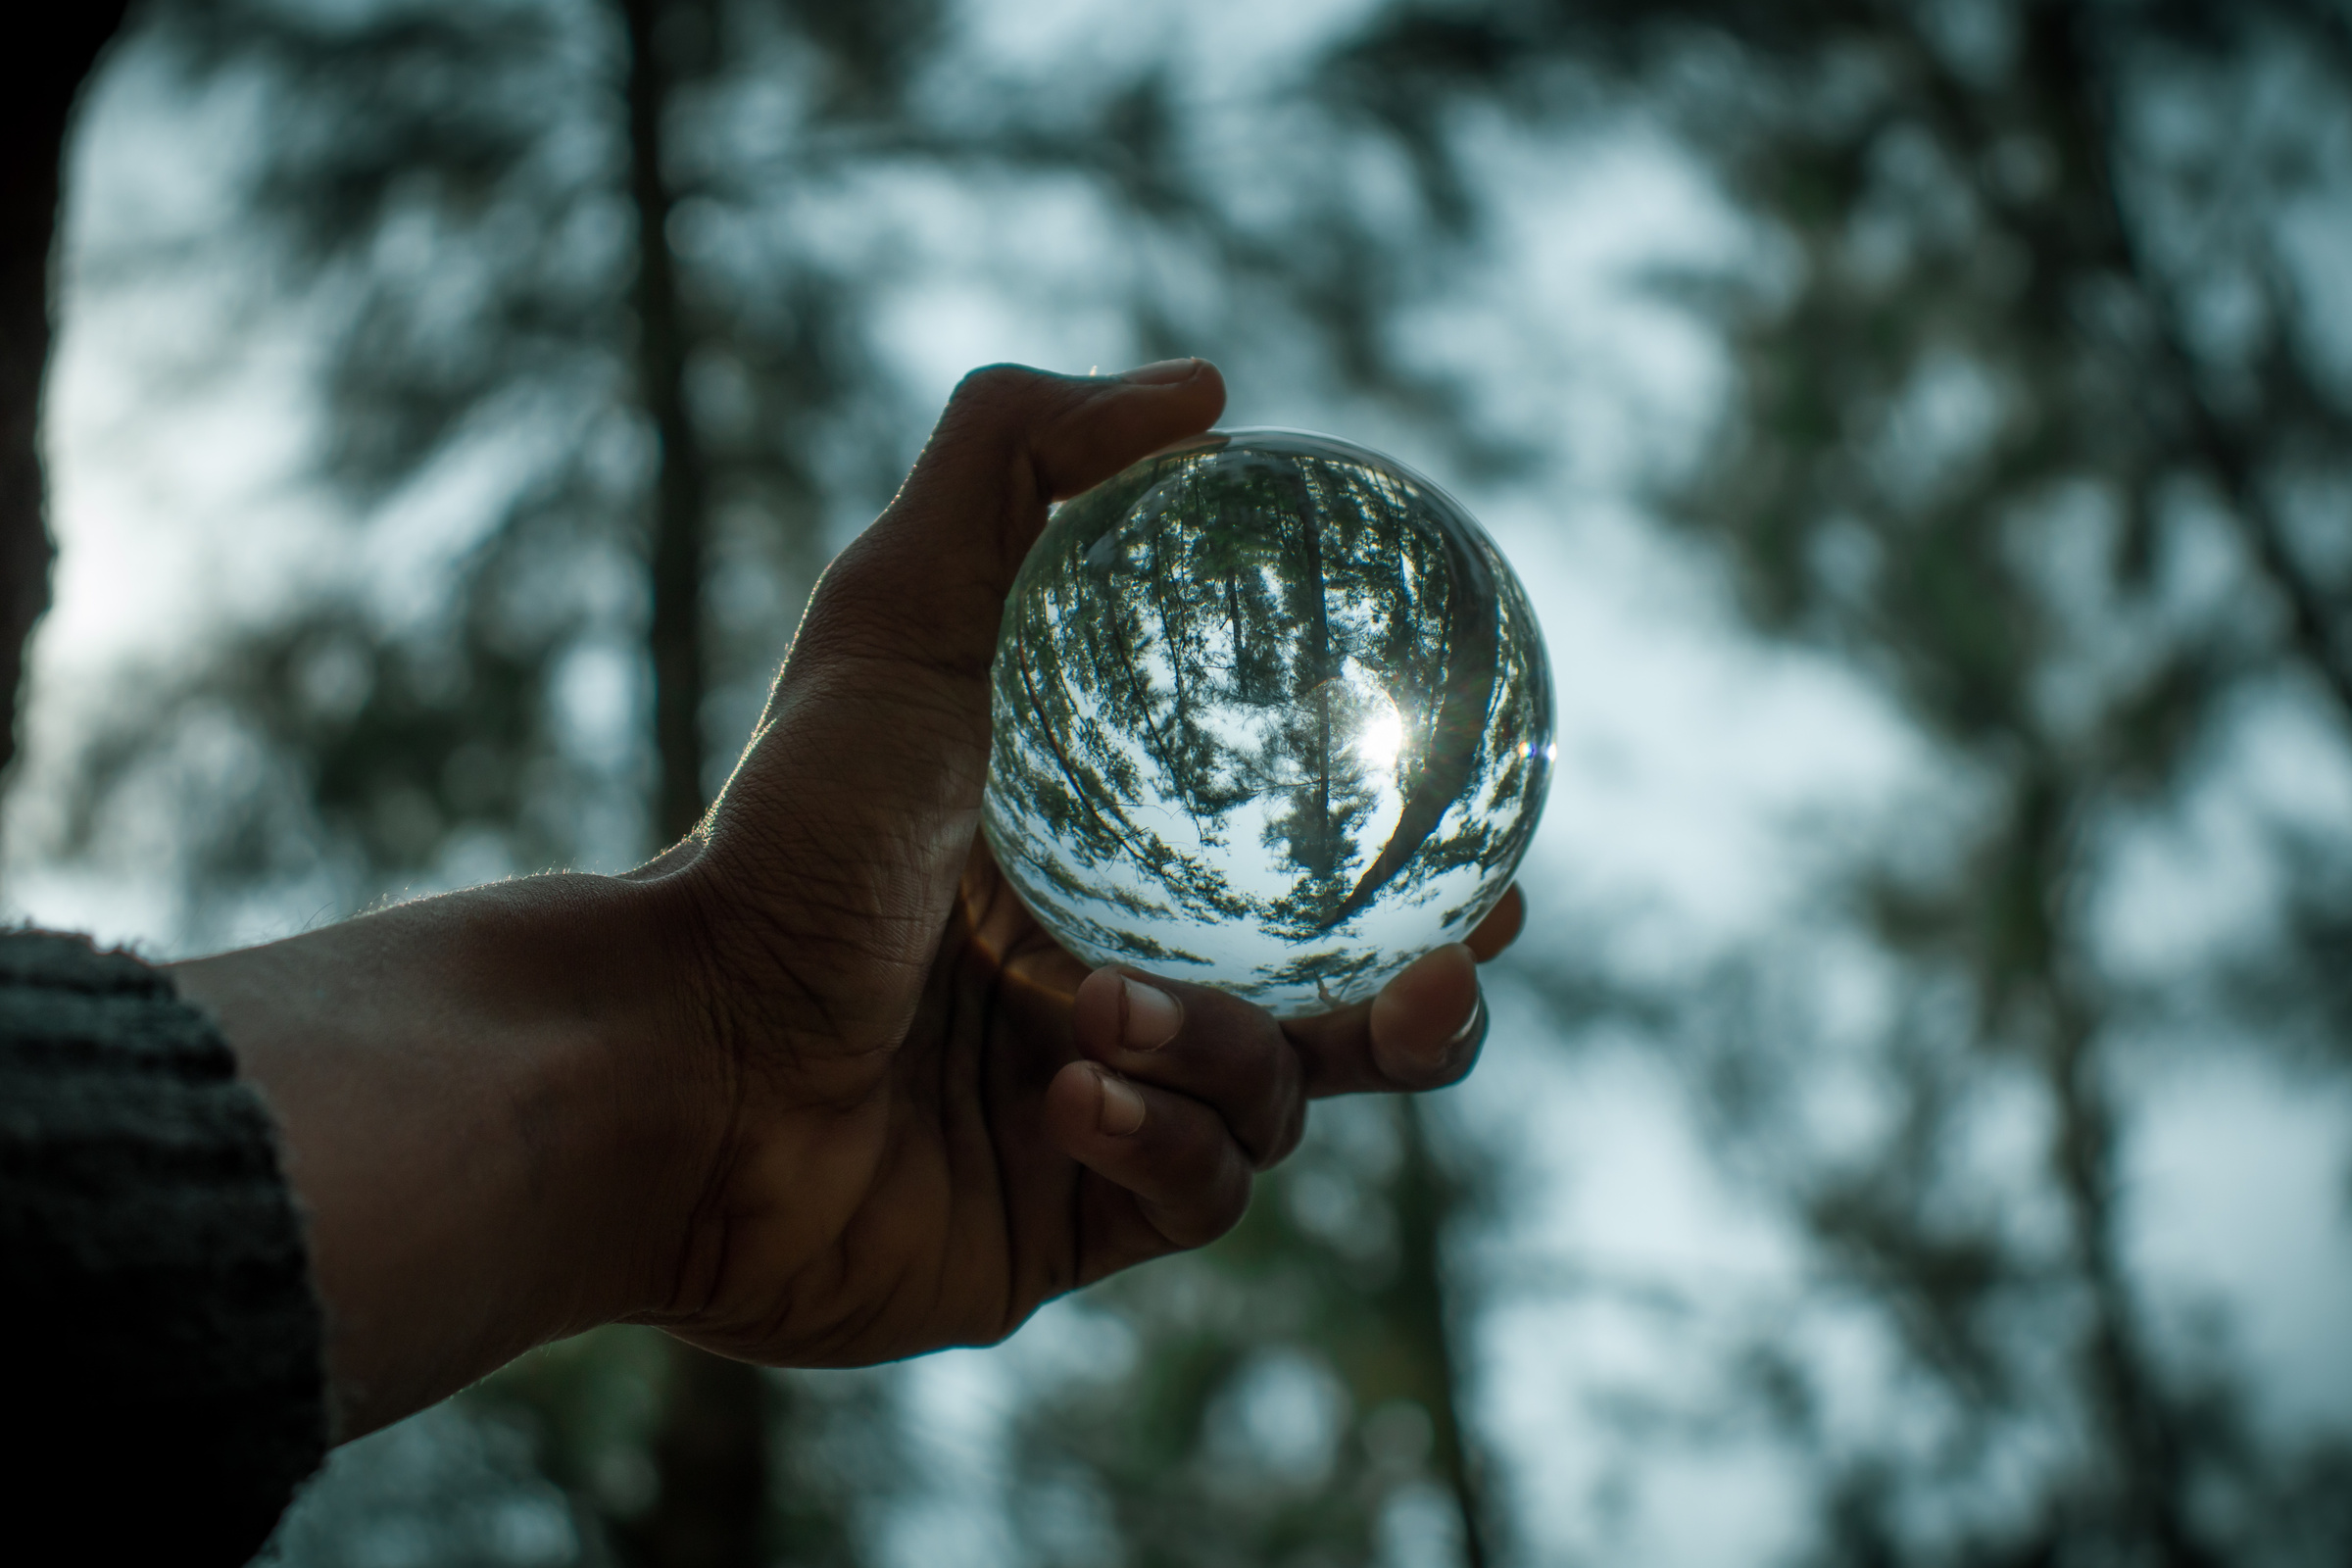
x=1917 y=1127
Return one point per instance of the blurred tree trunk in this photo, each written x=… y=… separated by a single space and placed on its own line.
x=2062 y=66
x=1427 y=1199
x=711 y=1454
x=39 y=88
x=681 y=494
x=710 y=1446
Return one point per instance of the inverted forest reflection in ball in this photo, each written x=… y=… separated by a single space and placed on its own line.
x=1271 y=714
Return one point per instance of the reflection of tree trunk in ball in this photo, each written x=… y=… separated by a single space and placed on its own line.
x=1162 y=577
x=1322 y=857
x=1086 y=784
x=1131 y=673
x=1472 y=660
x=1233 y=615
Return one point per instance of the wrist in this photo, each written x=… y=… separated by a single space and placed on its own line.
x=657 y=1084
x=499 y=1109
x=621 y=1100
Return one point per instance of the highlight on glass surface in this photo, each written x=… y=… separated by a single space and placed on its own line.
x=1272 y=713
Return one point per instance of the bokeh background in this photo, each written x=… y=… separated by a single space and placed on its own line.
x=1917 y=1127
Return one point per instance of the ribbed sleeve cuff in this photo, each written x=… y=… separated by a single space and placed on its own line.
x=166 y=1338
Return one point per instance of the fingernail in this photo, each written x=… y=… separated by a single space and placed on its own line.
x=1122 y=1111
x=1149 y=1018
x=1163 y=372
x=1467 y=1034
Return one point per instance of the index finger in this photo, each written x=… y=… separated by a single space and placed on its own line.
x=1424 y=1029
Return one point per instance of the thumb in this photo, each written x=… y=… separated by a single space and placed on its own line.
x=927 y=581
x=865 y=778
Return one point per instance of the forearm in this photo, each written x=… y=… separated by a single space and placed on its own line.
x=488 y=1111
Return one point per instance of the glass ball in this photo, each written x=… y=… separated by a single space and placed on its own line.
x=1272 y=715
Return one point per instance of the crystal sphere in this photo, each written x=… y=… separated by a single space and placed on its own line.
x=1272 y=715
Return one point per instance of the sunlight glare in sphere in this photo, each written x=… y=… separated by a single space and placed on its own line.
x=1271 y=714
x=1381 y=738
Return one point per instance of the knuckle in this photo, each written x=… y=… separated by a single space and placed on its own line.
x=1276 y=1118
x=1204 y=1191
x=1231 y=1202
x=1285 y=1141
x=1213 y=1213
x=991 y=385
x=849 y=616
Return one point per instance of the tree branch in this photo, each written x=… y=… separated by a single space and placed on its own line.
x=2219 y=445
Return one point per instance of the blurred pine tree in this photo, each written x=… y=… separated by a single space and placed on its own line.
x=2037 y=423
x=489 y=202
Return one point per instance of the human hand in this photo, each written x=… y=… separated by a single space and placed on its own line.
x=931 y=1118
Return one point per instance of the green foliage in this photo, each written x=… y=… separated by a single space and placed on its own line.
x=2037 y=424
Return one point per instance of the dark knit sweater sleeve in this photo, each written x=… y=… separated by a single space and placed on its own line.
x=163 y=1342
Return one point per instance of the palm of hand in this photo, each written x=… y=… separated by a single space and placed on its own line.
x=939 y=1192
x=930 y=1206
